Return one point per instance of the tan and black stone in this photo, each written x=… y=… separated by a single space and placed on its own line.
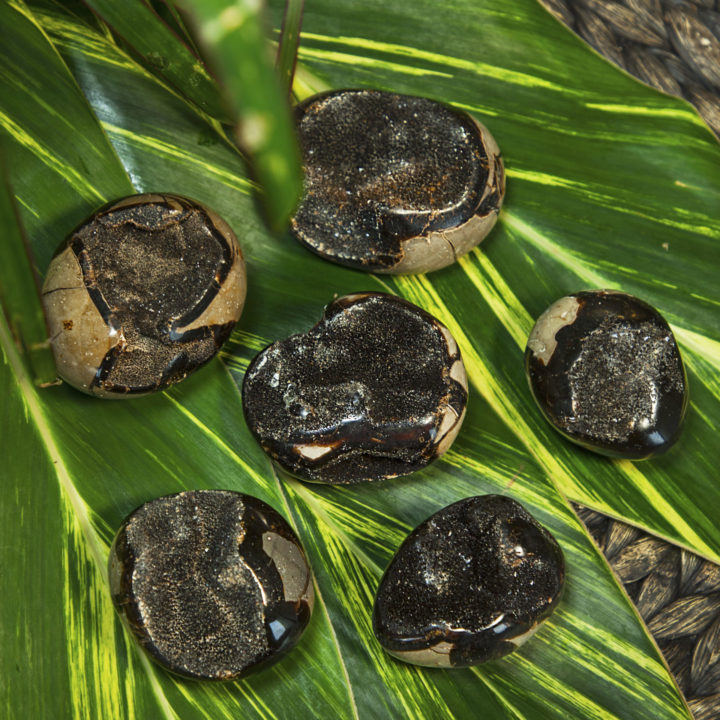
x=468 y=585
x=213 y=584
x=607 y=373
x=375 y=390
x=394 y=183
x=141 y=294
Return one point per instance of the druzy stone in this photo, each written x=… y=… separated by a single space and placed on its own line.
x=141 y=294
x=606 y=371
x=214 y=584
x=469 y=584
x=394 y=183
x=375 y=390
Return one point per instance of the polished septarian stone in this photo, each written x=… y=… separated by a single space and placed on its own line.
x=394 y=183
x=606 y=371
x=375 y=390
x=141 y=294
x=469 y=584
x=214 y=584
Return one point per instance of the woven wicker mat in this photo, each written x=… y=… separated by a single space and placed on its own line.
x=678 y=595
x=674 y=46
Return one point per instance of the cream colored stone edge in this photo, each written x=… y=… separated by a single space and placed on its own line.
x=77 y=329
x=542 y=340
x=436 y=250
x=292 y=568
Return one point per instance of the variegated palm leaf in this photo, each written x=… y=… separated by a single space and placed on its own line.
x=609 y=185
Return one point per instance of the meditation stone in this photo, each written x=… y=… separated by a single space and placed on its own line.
x=375 y=390
x=606 y=371
x=394 y=183
x=141 y=294
x=469 y=584
x=214 y=584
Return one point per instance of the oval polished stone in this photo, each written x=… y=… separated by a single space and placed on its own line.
x=394 y=183
x=375 y=390
x=606 y=371
x=469 y=584
x=214 y=584
x=141 y=294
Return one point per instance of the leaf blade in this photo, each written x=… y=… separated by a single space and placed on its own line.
x=194 y=436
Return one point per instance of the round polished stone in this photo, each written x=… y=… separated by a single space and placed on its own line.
x=214 y=584
x=375 y=390
x=606 y=371
x=394 y=183
x=141 y=294
x=469 y=584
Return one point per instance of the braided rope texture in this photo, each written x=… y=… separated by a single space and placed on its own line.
x=672 y=45
x=678 y=596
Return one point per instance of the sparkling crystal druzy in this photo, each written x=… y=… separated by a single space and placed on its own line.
x=469 y=584
x=141 y=294
x=606 y=371
x=394 y=183
x=375 y=390
x=214 y=584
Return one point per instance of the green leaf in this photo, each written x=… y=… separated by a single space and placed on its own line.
x=233 y=33
x=40 y=98
x=583 y=167
x=610 y=184
x=162 y=52
x=20 y=291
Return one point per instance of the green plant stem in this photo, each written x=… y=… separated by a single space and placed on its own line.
x=289 y=42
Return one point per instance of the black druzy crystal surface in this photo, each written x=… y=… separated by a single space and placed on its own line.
x=469 y=584
x=214 y=584
x=394 y=183
x=375 y=390
x=606 y=371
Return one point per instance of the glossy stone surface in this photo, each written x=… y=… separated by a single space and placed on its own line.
x=606 y=371
x=141 y=294
x=394 y=183
x=469 y=584
x=214 y=584
x=375 y=390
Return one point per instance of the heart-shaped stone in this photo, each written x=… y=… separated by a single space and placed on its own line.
x=375 y=390
x=468 y=585
x=606 y=371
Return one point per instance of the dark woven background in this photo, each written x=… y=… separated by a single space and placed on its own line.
x=678 y=595
x=674 y=46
